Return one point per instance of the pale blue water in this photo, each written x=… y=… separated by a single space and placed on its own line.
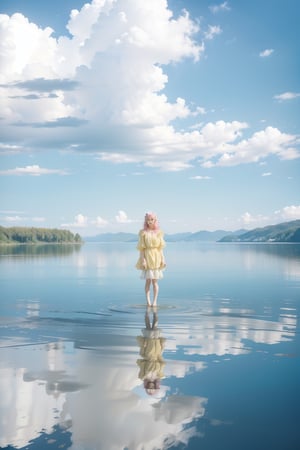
x=74 y=348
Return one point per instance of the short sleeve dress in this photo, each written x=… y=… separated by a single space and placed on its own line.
x=151 y=349
x=152 y=244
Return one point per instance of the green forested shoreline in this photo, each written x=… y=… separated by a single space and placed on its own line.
x=27 y=235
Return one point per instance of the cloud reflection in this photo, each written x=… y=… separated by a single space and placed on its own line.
x=97 y=393
x=97 y=384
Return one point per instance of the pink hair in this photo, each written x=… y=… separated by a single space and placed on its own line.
x=151 y=215
x=152 y=390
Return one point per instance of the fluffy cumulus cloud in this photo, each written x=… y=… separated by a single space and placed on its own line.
x=261 y=144
x=80 y=221
x=100 y=222
x=83 y=221
x=122 y=217
x=250 y=220
x=101 y=90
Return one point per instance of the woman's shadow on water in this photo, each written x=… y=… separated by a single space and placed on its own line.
x=151 y=363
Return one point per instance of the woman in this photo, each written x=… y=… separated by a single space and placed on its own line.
x=151 y=348
x=151 y=261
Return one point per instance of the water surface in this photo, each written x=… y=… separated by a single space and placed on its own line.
x=78 y=347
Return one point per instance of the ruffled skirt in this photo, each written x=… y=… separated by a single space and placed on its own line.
x=154 y=274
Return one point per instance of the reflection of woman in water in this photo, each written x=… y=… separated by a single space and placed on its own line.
x=151 y=261
x=151 y=347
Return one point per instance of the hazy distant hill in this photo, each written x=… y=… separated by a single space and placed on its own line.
x=207 y=236
x=112 y=237
x=282 y=232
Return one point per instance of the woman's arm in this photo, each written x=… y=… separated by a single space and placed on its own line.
x=143 y=259
x=141 y=248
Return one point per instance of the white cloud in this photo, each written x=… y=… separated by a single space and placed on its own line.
x=13 y=219
x=9 y=148
x=33 y=170
x=218 y=8
x=200 y=110
x=100 y=222
x=287 y=96
x=168 y=166
x=112 y=44
x=80 y=221
x=17 y=218
x=267 y=52
x=196 y=126
x=61 y=93
x=253 y=220
x=261 y=144
x=266 y=174
x=200 y=177
x=122 y=217
x=291 y=212
x=213 y=30
x=29 y=50
x=287 y=213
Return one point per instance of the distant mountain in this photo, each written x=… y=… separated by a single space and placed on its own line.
x=177 y=237
x=204 y=236
x=112 y=237
x=282 y=232
x=212 y=236
x=207 y=236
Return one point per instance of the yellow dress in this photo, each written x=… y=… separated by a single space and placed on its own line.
x=152 y=244
x=152 y=364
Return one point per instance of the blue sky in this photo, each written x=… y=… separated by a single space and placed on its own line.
x=111 y=108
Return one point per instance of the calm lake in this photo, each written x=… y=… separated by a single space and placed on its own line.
x=78 y=348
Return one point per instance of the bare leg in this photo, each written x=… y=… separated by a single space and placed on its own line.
x=155 y=319
x=155 y=291
x=147 y=291
x=147 y=320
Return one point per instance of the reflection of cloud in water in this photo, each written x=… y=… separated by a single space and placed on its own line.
x=100 y=402
x=30 y=305
x=81 y=261
x=26 y=406
x=180 y=369
x=130 y=421
x=97 y=391
x=109 y=256
x=289 y=320
x=229 y=332
x=292 y=270
x=33 y=308
x=263 y=255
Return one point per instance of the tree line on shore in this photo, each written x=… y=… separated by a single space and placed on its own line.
x=27 y=235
